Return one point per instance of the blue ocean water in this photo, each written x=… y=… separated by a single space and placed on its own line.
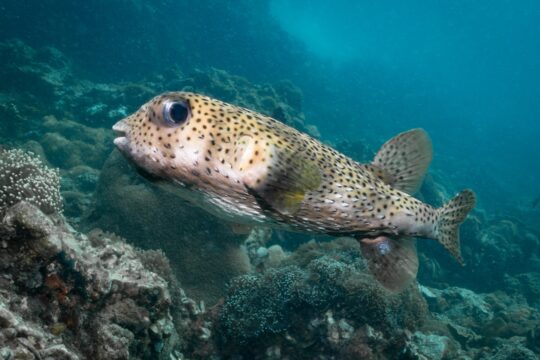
x=466 y=71
x=351 y=73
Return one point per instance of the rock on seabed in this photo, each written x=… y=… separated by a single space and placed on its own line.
x=65 y=295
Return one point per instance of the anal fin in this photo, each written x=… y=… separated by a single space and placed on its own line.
x=393 y=262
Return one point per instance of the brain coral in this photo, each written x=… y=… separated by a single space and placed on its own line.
x=24 y=177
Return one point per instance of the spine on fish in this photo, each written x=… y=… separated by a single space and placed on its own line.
x=449 y=218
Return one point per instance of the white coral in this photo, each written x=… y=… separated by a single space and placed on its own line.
x=24 y=177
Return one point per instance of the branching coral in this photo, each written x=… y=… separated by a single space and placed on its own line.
x=259 y=304
x=24 y=177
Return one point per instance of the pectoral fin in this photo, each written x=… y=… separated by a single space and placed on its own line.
x=289 y=176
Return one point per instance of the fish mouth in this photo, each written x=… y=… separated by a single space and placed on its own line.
x=121 y=140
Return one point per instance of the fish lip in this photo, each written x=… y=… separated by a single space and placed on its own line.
x=122 y=143
x=120 y=129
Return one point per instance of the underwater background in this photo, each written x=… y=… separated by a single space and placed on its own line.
x=97 y=263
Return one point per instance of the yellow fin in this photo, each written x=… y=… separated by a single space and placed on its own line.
x=289 y=177
x=291 y=201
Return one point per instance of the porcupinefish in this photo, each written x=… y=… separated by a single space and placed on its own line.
x=248 y=168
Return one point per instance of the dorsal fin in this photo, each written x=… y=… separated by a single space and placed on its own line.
x=403 y=160
x=393 y=262
x=289 y=176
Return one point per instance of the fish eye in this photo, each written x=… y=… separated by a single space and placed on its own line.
x=176 y=112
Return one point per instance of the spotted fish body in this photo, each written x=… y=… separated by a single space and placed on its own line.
x=251 y=169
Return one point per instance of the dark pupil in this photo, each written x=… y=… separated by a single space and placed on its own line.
x=178 y=113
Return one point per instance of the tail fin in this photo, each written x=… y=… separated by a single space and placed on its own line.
x=449 y=217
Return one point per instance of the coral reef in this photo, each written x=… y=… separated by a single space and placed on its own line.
x=67 y=295
x=319 y=298
x=68 y=144
x=493 y=315
x=31 y=71
x=320 y=303
x=259 y=255
x=48 y=78
x=427 y=346
x=485 y=326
